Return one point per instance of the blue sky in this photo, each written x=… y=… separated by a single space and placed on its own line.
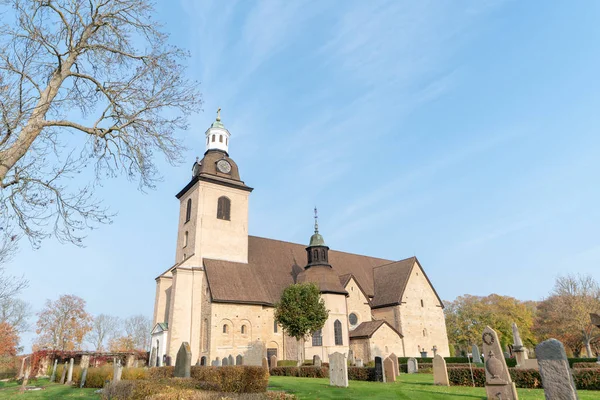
x=465 y=133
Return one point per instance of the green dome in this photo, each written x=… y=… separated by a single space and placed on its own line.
x=217 y=124
x=317 y=240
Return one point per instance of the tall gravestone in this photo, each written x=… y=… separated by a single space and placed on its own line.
x=555 y=372
x=359 y=362
x=83 y=378
x=70 y=374
x=379 y=370
x=476 y=355
x=53 y=376
x=412 y=366
x=394 y=358
x=518 y=349
x=273 y=361
x=351 y=357
x=239 y=360
x=338 y=370
x=217 y=362
x=152 y=359
x=225 y=361
x=498 y=384
x=231 y=360
x=183 y=362
x=388 y=367
x=64 y=373
x=440 y=372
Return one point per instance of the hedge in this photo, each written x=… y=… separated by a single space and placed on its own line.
x=510 y=362
x=233 y=378
x=586 y=365
x=423 y=367
x=361 y=374
x=581 y=360
x=585 y=378
x=301 y=372
x=290 y=363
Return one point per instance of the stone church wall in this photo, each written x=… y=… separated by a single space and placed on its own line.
x=423 y=322
x=357 y=303
x=384 y=342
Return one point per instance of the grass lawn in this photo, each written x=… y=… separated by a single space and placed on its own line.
x=410 y=387
x=10 y=390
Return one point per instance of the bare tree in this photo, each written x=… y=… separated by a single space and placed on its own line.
x=15 y=312
x=82 y=83
x=10 y=285
x=138 y=328
x=104 y=328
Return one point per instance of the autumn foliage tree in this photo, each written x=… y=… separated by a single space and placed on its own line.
x=63 y=324
x=565 y=314
x=467 y=316
x=9 y=339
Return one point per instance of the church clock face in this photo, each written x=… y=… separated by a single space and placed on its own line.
x=224 y=166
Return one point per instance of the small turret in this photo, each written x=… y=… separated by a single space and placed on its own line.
x=317 y=251
x=217 y=136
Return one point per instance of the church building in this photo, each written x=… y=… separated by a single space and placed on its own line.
x=220 y=293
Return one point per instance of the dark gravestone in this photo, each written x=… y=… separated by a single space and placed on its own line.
x=168 y=361
x=230 y=360
x=225 y=361
x=239 y=360
x=183 y=363
x=379 y=373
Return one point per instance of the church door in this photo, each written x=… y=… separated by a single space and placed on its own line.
x=271 y=352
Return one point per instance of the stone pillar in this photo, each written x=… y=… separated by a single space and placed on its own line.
x=64 y=373
x=83 y=377
x=85 y=362
x=53 y=376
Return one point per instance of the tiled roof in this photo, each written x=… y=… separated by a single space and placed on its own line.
x=367 y=329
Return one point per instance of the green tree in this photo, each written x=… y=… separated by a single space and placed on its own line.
x=301 y=311
x=467 y=316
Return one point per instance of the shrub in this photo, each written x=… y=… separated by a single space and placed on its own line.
x=160 y=372
x=143 y=389
x=361 y=374
x=581 y=360
x=424 y=367
x=237 y=379
x=586 y=365
x=587 y=378
x=526 y=378
x=461 y=376
x=134 y=374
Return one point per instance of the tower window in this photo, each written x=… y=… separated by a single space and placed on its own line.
x=424 y=332
x=275 y=326
x=225 y=328
x=243 y=330
x=220 y=138
x=213 y=138
x=207 y=140
x=317 y=338
x=316 y=255
x=188 y=210
x=422 y=304
x=185 y=239
x=224 y=208
x=337 y=331
x=226 y=141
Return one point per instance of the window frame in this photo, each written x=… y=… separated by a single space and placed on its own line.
x=224 y=208
x=317 y=338
x=337 y=333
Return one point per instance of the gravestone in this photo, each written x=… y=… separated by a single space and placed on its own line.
x=217 y=362
x=239 y=360
x=396 y=366
x=351 y=357
x=554 y=370
x=83 y=378
x=359 y=362
x=317 y=361
x=85 y=361
x=388 y=366
x=152 y=359
x=338 y=370
x=27 y=368
x=265 y=363
x=273 y=362
x=225 y=361
x=434 y=349
x=23 y=367
x=476 y=355
x=119 y=372
x=440 y=373
x=379 y=370
x=412 y=366
x=183 y=362
x=70 y=374
x=64 y=373
x=168 y=361
x=498 y=384
x=230 y=360
x=53 y=376
x=130 y=361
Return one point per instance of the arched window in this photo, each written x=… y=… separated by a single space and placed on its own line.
x=223 y=208
x=317 y=338
x=203 y=360
x=185 y=239
x=424 y=332
x=213 y=138
x=225 y=328
x=226 y=141
x=422 y=304
x=337 y=332
x=220 y=138
x=275 y=326
x=316 y=255
x=243 y=330
x=323 y=254
x=188 y=210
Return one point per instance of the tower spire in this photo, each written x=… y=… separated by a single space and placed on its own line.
x=316 y=221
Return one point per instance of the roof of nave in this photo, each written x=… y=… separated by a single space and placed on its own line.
x=273 y=265
x=368 y=328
